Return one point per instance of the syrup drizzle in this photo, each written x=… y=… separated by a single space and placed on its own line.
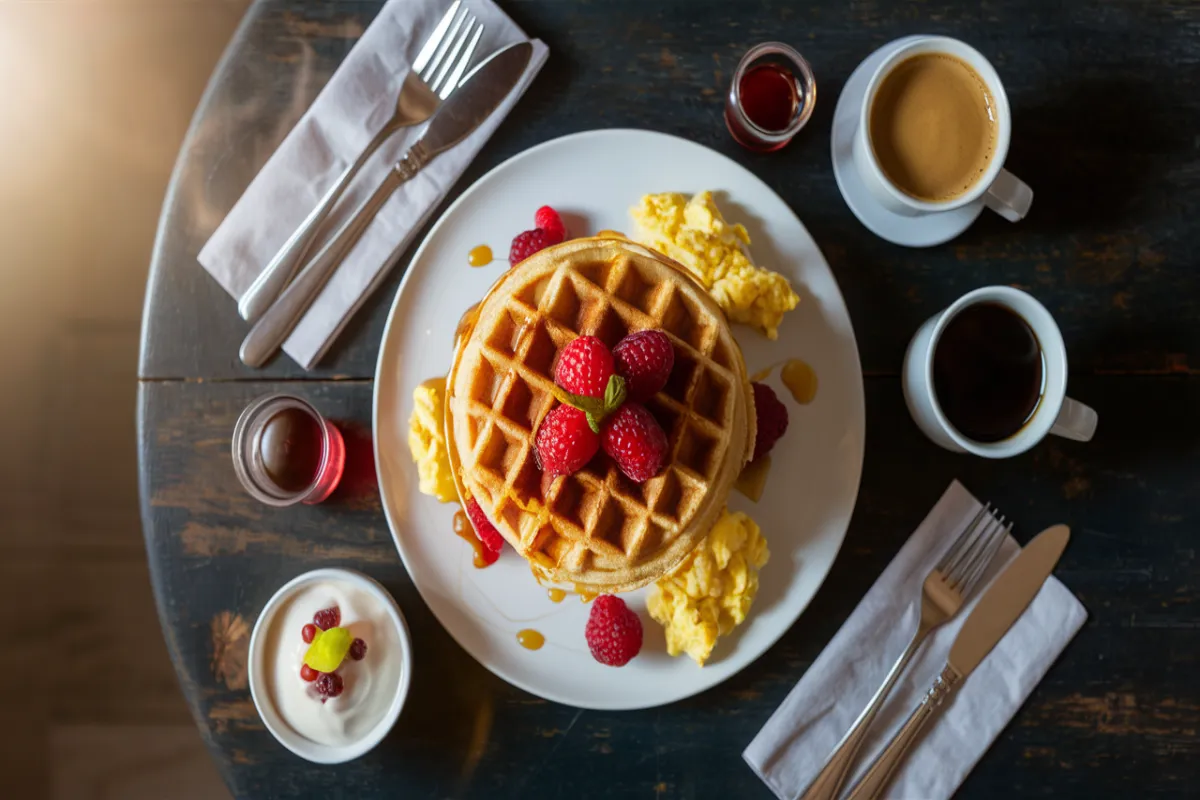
x=463 y=529
x=480 y=256
x=530 y=639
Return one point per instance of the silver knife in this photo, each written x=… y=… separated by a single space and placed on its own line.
x=1001 y=606
x=481 y=91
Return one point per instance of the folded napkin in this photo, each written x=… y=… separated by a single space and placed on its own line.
x=353 y=106
x=798 y=738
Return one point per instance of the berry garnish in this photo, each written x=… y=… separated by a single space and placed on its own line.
x=308 y=632
x=358 y=649
x=548 y=220
x=328 y=649
x=486 y=532
x=772 y=418
x=636 y=442
x=308 y=674
x=645 y=360
x=565 y=441
x=329 y=684
x=613 y=632
x=526 y=244
x=584 y=367
x=328 y=618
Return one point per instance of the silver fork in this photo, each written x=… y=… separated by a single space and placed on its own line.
x=436 y=72
x=945 y=589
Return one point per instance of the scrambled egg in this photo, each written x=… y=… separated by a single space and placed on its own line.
x=711 y=592
x=694 y=233
x=427 y=440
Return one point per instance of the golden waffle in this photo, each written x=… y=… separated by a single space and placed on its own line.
x=596 y=527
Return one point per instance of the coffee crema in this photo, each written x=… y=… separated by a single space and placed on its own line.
x=933 y=127
x=988 y=372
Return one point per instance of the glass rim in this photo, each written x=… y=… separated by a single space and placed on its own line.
x=806 y=76
x=240 y=442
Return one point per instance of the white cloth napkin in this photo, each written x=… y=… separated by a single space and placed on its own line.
x=357 y=101
x=798 y=738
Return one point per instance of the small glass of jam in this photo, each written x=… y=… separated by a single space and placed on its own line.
x=285 y=452
x=771 y=97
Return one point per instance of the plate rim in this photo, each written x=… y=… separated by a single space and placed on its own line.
x=858 y=418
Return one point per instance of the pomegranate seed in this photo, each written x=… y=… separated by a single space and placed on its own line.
x=308 y=674
x=358 y=649
x=329 y=684
x=328 y=618
x=308 y=632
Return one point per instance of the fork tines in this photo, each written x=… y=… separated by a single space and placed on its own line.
x=444 y=58
x=968 y=557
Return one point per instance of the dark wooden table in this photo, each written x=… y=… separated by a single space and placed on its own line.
x=1106 y=109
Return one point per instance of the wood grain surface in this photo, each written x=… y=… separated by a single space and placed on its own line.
x=1105 y=105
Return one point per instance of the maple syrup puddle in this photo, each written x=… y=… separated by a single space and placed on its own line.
x=464 y=531
x=754 y=478
x=530 y=639
x=800 y=379
x=796 y=375
x=480 y=256
x=466 y=322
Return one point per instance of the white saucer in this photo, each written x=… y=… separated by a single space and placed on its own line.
x=923 y=231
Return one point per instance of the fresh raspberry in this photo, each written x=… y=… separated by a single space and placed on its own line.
x=493 y=542
x=565 y=443
x=772 y=418
x=584 y=367
x=358 y=649
x=526 y=244
x=548 y=220
x=308 y=632
x=308 y=674
x=635 y=440
x=614 y=633
x=329 y=684
x=644 y=359
x=327 y=618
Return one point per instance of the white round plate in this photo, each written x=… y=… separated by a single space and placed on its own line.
x=926 y=230
x=593 y=178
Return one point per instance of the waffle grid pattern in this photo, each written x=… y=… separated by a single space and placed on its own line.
x=597 y=519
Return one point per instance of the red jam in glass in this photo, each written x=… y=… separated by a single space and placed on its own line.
x=285 y=452
x=769 y=96
x=290 y=448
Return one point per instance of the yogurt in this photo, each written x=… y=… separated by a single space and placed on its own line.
x=369 y=685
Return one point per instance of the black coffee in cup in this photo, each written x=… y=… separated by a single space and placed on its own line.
x=988 y=372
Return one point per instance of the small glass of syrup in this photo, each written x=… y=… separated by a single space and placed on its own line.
x=285 y=452
x=771 y=97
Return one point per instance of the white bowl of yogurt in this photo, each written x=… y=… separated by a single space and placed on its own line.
x=330 y=730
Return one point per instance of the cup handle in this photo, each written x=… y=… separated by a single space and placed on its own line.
x=1009 y=196
x=1075 y=421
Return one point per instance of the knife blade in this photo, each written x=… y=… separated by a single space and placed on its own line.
x=476 y=98
x=479 y=94
x=995 y=613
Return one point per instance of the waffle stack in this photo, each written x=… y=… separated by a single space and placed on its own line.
x=596 y=528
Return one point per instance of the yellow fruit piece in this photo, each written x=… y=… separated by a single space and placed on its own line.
x=328 y=649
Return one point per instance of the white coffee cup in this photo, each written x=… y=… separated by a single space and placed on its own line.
x=1000 y=190
x=1055 y=413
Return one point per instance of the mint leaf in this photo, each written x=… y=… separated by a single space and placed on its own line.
x=614 y=394
x=588 y=405
x=595 y=408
